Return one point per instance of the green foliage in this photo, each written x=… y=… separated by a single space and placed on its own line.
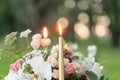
x=75 y=57
x=82 y=77
x=92 y=75
x=103 y=78
x=28 y=69
x=15 y=49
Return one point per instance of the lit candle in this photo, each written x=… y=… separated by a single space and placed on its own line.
x=61 y=62
x=45 y=33
x=45 y=42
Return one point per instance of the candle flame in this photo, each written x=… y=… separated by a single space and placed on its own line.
x=45 y=33
x=60 y=29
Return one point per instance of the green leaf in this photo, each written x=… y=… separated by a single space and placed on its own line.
x=28 y=69
x=92 y=75
x=103 y=78
x=75 y=57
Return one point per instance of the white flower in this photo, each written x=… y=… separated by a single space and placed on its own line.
x=74 y=46
x=36 y=53
x=35 y=62
x=45 y=70
x=88 y=63
x=41 y=67
x=33 y=53
x=25 y=33
x=92 y=50
x=12 y=76
x=23 y=76
x=97 y=69
x=54 y=51
x=10 y=38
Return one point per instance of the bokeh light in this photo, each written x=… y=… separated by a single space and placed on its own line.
x=103 y=20
x=101 y=31
x=102 y=23
x=82 y=30
x=97 y=8
x=83 y=5
x=83 y=17
x=70 y=3
x=63 y=21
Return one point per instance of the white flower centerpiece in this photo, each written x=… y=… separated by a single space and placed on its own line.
x=41 y=64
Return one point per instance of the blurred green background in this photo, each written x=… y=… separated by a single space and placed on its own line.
x=85 y=22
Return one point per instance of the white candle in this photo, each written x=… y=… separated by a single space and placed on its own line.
x=61 y=58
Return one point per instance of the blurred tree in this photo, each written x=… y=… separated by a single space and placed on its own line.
x=20 y=14
x=4 y=27
x=17 y=14
x=112 y=7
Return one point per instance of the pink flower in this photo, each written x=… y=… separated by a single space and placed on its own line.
x=35 y=43
x=15 y=66
x=66 y=61
x=45 y=42
x=85 y=71
x=37 y=36
x=52 y=60
x=72 y=67
x=87 y=78
x=69 y=68
x=55 y=73
x=68 y=52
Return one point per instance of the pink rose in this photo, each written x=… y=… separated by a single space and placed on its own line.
x=66 y=61
x=72 y=67
x=55 y=73
x=52 y=60
x=35 y=43
x=15 y=66
x=37 y=36
x=68 y=52
x=87 y=78
x=45 y=42
x=69 y=68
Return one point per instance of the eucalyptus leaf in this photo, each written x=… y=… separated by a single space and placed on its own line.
x=92 y=75
x=75 y=57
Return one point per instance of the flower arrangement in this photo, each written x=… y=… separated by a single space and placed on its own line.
x=39 y=63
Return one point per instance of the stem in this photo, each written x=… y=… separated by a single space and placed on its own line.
x=28 y=42
x=45 y=52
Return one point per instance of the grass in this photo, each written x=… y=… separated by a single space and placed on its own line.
x=107 y=55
